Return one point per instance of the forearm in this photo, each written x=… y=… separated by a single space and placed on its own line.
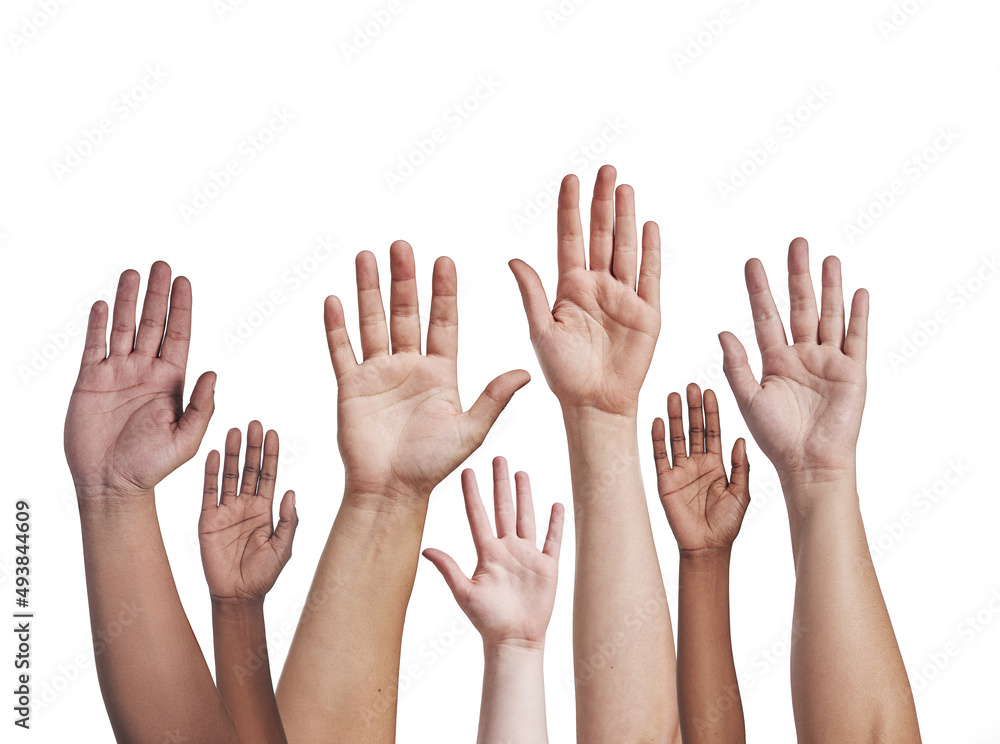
x=243 y=670
x=708 y=692
x=841 y=624
x=152 y=673
x=340 y=679
x=622 y=639
x=513 y=706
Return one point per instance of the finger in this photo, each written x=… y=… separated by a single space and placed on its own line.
x=713 y=428
x=404 y=308
x=696 y=419
x=251 y=461
x=123 y=323
x=284 y=532
x=569 y=228
x=737 y=368
x=95 y=348
x=154 y=310
x=339 y=343
x=177 y=338
x=210 y=494
x=678 y=445
x=490 y=404
x=231 y=466
x=602 y=220
x=371 y=314
x=804 y=321
x=479 y=523
x=831 y=321
x=626 y=257
x=766 y=321
x=453 y=576
x=193 y=423
x=856 y=343
x=536 y=304
x=649 y=272
x=269 y=466
x=442 y=331
x=525 y=508
x=503 y=504
x=553 y=538
x=659 y=434
x=740 y=476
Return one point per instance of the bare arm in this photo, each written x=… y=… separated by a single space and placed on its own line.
x=595 y=344
x=125 y=432
x=401 y=430
x=806 y=417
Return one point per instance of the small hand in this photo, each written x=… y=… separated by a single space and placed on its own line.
x=241 y=550
x=705 y=510
x=510 y=596
x=596 y=343
x=806 y=412
x=126 y=428
x=400 y=420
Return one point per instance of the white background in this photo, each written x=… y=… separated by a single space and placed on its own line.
x=681 y=127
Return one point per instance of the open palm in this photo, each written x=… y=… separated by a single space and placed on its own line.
x=400 y=420
x=806 y=412
x=596 y=342
x=126 y=428
x=704 y=508
x=510 y=596
x=241 y=550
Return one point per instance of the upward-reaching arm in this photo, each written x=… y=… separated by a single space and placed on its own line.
x=595 y=345
x=126 y=430
x=401 y=430
x=806 y=416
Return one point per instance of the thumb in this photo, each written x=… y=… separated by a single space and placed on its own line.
x=193 y=423
x=288 y=520
x=453 y=575
x=490 y=404
x=740 y=474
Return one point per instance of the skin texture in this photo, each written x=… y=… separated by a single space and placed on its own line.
x=243 y=553
x=401 y=430
x=705 y=510
x=509 y=600
x=805 y=414
x=127 y=429
x=594 y=345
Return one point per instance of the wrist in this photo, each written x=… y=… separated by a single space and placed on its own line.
x=827 y=478
x=708 y=557
x=513 y=649
x=232 y=606
x=384 y=496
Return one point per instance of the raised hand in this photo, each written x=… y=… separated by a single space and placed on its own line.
x=127 y=428
x=805 y=413
x=510 y=596
x=242 y=551
x=704 y=508
x=401 y=427
x=596 y=342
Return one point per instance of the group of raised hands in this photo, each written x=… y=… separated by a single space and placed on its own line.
x=402 y=429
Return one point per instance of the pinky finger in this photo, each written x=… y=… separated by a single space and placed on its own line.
x=553 y=540
x=96 y=346
x=856 y=343
x=210 y=495
x=339 y=342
